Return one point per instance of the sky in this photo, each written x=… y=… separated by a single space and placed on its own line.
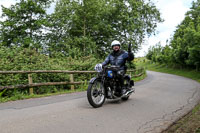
x=172 y=11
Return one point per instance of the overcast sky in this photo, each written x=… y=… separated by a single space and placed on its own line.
x=172 y=11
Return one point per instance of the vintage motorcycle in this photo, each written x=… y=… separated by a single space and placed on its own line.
x=108 y=85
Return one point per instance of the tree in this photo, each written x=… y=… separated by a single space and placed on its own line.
x=90 y=25
x=150 y=53
x=185 y=42
x=24 y=24
x=73 y=24
x=194 y=35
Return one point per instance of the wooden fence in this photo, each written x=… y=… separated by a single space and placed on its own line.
x=31 y=84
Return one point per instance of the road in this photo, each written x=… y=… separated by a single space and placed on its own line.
x=160 y=99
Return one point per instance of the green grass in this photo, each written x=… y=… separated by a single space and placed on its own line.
x=21 y=96
x=192 y=74
x=191 y=122
x=187 y=124
x=140 y=78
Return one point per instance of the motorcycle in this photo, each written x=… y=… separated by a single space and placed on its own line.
x=107 y=84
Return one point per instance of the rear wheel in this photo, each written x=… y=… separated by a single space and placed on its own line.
x=127 y=82
x=127 y=86
x=96 y=94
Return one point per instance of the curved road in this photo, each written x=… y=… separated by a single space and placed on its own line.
x=159 y=100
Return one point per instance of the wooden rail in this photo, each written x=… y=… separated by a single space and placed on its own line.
x=72 y=83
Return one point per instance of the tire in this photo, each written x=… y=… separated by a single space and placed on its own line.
x=96 y=94
x=126 y=81
x=127 y=84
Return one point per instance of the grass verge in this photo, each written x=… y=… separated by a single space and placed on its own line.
x=20 y=96
x=190 y=123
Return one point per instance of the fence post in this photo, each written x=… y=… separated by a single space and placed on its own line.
x=142 y=70
x=72 y=80
x=30 y=81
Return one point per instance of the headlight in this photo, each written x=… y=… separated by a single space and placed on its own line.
x=98 y=67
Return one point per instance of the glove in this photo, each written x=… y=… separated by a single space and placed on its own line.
x=129 y=48
x=98 y=67
x=130 y=56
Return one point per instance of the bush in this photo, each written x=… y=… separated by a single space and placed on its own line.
x=16 y=59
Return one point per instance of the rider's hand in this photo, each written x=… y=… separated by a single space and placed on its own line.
x=130 y=56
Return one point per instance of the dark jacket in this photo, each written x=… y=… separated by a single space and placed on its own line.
x=118 y=58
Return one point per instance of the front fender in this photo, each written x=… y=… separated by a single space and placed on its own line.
x=92 y=80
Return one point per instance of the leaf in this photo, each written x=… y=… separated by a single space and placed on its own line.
x=1 y=93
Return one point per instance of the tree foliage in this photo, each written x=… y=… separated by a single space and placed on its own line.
x=24 y=24
x=80 y=27
x=90 y=26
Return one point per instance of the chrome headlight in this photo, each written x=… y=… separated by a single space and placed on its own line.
x=98 y=68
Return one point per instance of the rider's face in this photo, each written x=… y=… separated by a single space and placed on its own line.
x=116 y=48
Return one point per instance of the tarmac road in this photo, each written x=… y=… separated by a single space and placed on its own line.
x=160 y=99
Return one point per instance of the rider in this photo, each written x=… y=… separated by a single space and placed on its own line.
x=119 y=57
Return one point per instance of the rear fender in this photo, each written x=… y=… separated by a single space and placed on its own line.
x=132 y=82
x=129 y=78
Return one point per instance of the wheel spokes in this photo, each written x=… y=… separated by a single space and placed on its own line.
x=98 y=93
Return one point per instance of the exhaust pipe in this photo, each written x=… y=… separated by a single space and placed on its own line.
x=129 y=92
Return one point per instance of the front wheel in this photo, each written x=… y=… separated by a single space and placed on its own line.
x=96 y=94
